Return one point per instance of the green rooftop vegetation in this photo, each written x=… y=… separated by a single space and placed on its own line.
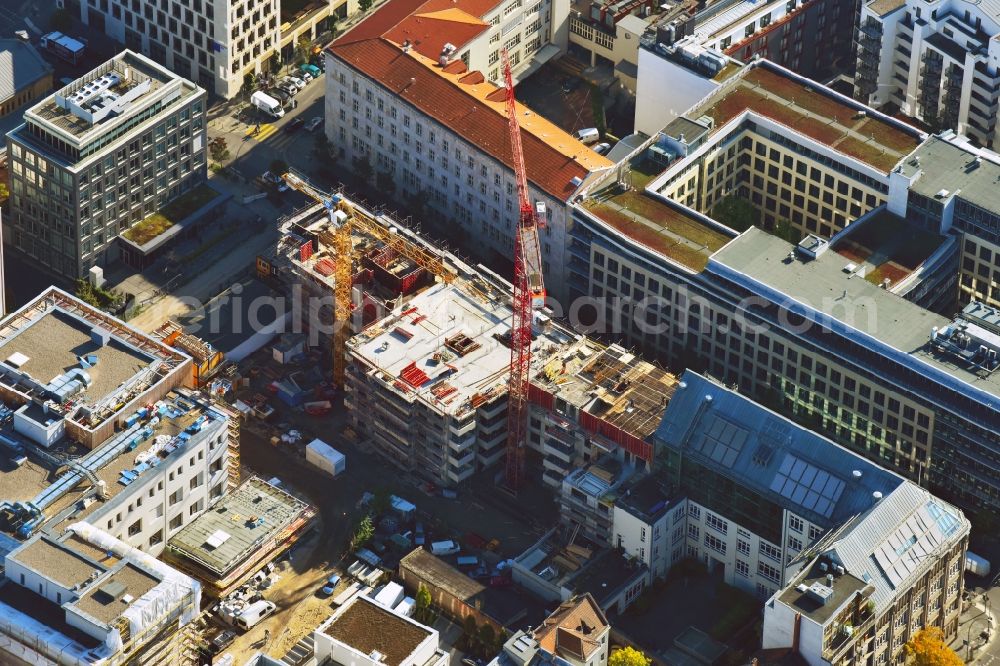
x=659 y=227
x=816 y=115
x=175 y=211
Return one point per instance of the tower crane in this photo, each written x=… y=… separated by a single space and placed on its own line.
x=529 y=295
x=343 y=250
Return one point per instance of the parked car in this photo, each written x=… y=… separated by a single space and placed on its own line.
x=445 y=547
x=253 y=614
x=418 y=534
x=295 y=126
x=569 y=85
x=314 y=123
x=310 y=69
x=298 y=81
x=222 y=641
x=602 y=148
x=318 y=62
x=305 y=76
x=279 y=94
x=330 y=585
x=275 y=180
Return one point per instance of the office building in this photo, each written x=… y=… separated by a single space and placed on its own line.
x=99 y=156
x=436 y=128
x=947 y=187
x=85 y=597
x=24 y=75
x=102 y=429
x=935 y=61
x=216 y=43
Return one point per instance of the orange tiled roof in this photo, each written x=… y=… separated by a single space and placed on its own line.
x=575 y=626
x=427 y=24
x=474 y=111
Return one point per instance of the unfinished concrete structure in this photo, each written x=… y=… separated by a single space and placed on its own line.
x=428 y=384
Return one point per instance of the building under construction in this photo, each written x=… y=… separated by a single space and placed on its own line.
x=592 y=401
x=205 y=359
x=382 y=277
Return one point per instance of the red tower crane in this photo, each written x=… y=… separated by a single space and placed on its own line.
x=529 y=294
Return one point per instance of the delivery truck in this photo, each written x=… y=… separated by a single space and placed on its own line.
x=267 y=104
x=69 y=49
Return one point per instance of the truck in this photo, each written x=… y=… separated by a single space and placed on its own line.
x=267 y=104
x=63 y=46
x=976 y=565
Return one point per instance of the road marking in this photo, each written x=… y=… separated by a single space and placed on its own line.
x=266 y=130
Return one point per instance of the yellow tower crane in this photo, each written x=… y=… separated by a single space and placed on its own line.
x=343 y=249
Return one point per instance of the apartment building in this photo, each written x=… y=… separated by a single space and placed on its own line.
x=936 y=61
x=576 y=633
x=97 y=157
x=78 y=386
x=86 y=597
x=216 y=43
x=437 y=129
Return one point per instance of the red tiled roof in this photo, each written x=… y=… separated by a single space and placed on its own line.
x=551 y=159
x=427 y=24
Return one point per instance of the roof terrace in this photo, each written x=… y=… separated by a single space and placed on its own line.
x=886 y=248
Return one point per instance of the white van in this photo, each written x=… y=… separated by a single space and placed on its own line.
x=588 y=135
x=444 y=547
x=253 y=614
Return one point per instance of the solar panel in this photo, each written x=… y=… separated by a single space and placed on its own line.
x=722 y=441
x=807 y=485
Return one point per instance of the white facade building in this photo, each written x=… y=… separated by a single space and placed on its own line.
x=440 y=135
x=937 y=61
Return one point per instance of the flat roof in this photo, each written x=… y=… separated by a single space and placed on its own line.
x=137 y=79
x=53 y=342
x=885 y=247
x=441 y=574
x=56 y=562
x=844 y=588
x=445 y=349
x=646 y=498
x=663 y=226
x=239 y=523
x=824 y=288
x=885 y=7
x=368 y=627
x=108 y=598
x=814 y=110
x=944 y=165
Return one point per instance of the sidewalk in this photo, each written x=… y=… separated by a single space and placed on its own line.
x=976 y=641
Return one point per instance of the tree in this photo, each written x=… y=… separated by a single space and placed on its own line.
x=422 y=611
x=249 y=83
x=61 y=20
x=382 y=501
x=302 y=49
x=628 y=656
x=385 y=182
x=363 y=169
x=927 y=648
x=470 y=628
x=487 y=637
x=275 y=62
x=735 y=212
x=4 y=192
x=365 y=5
x=278 y=168
x=322 y=148
x=363 y=532
x=219 y=149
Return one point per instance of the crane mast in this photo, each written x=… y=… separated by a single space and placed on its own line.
x=529 y=294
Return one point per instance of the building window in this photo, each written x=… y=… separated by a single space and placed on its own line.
x=769 y=572
x=743 y=568
x=714 y=522
x=176 y=522
x=770 y=551
x=795 y=524
x=135 y=528
x=715 y=543
x=693 y=531
x=743 y=547
x=693 y=509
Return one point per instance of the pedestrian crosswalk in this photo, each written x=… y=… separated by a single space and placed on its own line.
x=266 y=130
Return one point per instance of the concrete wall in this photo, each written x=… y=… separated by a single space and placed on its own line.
x=664 y=91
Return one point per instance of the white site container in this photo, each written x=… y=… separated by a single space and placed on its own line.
x=325 y=457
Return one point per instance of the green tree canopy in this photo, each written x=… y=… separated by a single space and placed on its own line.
x=735 y=212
